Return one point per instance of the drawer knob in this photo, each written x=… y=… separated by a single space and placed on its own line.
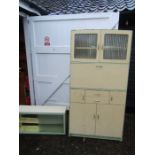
x=98 y=117
x=94 y=116
x=83 y=97
x=97 y=101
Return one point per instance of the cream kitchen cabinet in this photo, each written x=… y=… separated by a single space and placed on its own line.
x=98 y=85
x=97 y=120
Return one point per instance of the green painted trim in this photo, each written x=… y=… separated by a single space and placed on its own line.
x=81 y=62
x=98 y=137
x=99 y=89
x=42 y=133
x=34 y=113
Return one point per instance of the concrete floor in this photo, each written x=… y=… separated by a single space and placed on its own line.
x=64 y=145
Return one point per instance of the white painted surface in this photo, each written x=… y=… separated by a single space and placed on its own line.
x=29 y=60
x=51 y=64
x=23 y=109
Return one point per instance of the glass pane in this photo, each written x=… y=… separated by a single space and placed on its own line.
x=85 y=46
x=115 y=46
x=85 y=53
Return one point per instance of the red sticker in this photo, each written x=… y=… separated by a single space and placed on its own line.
x=47 y=41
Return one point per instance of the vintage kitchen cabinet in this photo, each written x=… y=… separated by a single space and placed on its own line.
x=99 y=78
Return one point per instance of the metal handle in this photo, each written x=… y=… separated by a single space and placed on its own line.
x=94 y=116
x=98 y=47
x=102 y=47
x=111 y=98
x=83 y=97
x=98 y=116
x=97 y=100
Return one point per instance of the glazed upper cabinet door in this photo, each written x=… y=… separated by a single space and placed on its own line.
x=109 y=122
x=115 y=46
x=82 y=119
x=85 y=45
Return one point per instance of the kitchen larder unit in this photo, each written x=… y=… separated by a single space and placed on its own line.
x=99 y=77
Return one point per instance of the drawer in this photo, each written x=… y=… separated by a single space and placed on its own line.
x=77 y=95
x=97 y=97
x=117 y=97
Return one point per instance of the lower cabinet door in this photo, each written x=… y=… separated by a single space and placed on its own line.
x=109 y=122
x=82 y=119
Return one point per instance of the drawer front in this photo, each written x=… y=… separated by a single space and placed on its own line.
x=97 y=97
x=77 y=96
x=117 y=97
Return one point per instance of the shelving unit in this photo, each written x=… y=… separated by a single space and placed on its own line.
x=42 y=120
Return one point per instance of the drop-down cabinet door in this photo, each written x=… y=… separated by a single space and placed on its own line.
x=99 y=76
x=82 y=119
x=109 y=122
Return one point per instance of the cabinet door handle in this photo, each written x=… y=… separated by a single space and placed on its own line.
x=111 y=98
x=83 y=97
x=102 y=47
x=98 y=47
x=94 y=116
x=98 y=116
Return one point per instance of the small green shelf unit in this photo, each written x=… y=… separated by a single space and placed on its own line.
x=42 y=120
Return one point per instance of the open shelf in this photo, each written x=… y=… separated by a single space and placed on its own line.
x=42 y=123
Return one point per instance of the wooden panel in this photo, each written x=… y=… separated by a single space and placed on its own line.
x=82 y=119
x=117 y=97
x=97 y=75
x=97 y=97
x=109 y=120
x=77 y=96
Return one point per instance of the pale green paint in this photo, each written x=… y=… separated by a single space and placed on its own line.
x=99 y=137
x=48 y=124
